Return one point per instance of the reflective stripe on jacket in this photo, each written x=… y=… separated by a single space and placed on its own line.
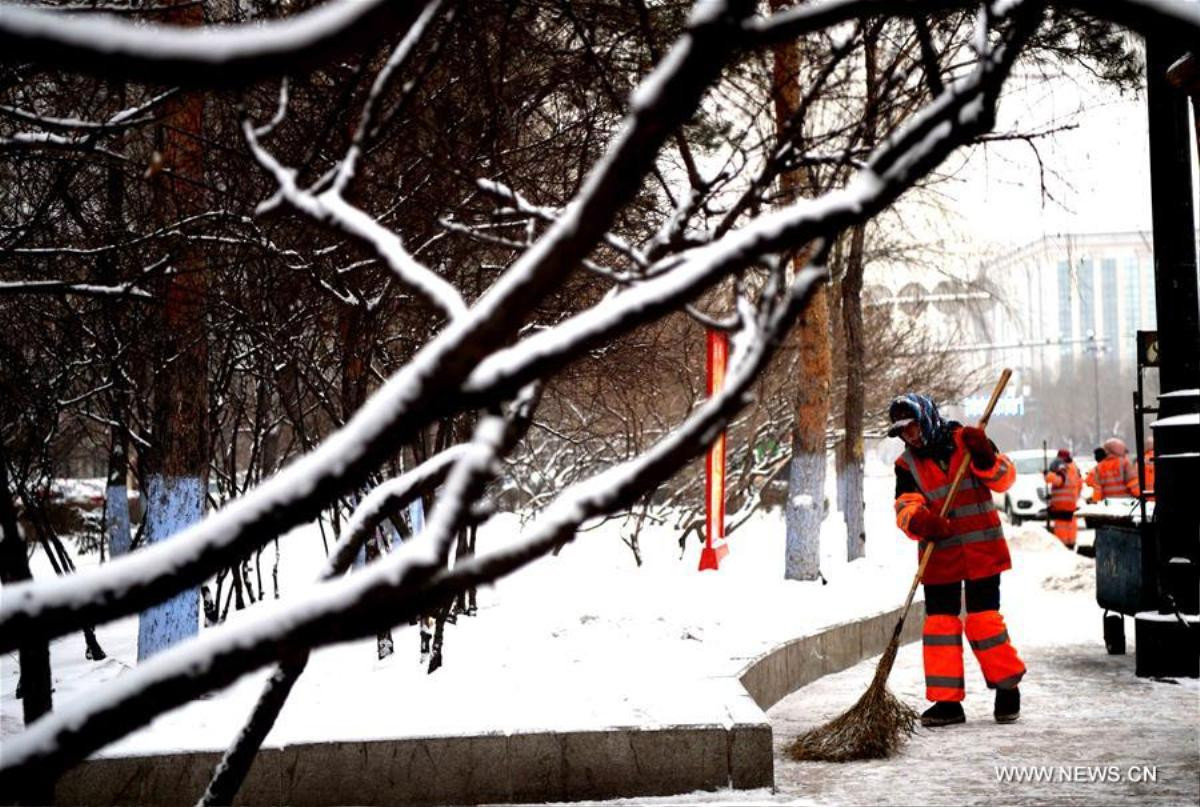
x=1115 y=478
x=976 y=546
x=1064 y=488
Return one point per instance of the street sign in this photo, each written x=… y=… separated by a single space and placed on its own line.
x=1147 y=347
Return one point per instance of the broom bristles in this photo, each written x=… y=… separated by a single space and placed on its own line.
x=873 y=728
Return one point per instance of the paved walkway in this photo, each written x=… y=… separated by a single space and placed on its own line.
x=1088 y=724
x=1080 y=707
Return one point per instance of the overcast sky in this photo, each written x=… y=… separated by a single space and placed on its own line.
x=1097 y=174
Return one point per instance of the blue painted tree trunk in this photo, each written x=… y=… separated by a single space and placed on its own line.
x=177 y=465
x=173 y=503
x=116 y=519
x=416 y=515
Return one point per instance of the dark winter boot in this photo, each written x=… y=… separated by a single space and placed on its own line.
x=943 y=713
x=1008 y=705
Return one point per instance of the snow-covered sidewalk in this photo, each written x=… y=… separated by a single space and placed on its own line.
x=1088 y=724
x=588 y=640
x=1090 y=730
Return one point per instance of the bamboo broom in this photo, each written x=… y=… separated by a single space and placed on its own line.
x=874 y=727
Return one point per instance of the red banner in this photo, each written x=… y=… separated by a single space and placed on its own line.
x=715 y=547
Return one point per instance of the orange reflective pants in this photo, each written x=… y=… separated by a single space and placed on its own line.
x=943 y=655
x=1002 y=667
x=1065 y=530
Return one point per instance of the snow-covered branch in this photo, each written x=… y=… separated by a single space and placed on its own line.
x=498 y=341
x=128 y=290
x=1143 y=16
x=208 y=56
x=416 y=391
x=383 y=594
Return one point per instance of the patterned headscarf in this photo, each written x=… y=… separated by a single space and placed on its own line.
x=934 y=430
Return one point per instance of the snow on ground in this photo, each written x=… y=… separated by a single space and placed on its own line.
x=587 y=639
x=1091 y=730
x=1087 y=721
x=584 y=639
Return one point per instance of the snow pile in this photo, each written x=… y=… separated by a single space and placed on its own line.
x=1058 y=568
x=1033 y=538
x=1080 y=577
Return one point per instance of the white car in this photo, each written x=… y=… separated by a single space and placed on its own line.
x=1026 y=499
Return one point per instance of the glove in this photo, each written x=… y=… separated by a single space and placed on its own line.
x=983 y=453
x=929 y=525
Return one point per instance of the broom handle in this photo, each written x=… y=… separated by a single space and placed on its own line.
x=958 y=478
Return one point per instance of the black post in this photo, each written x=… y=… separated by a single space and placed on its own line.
x=1045 y=473
x=1174 y=231
x=1167 y=646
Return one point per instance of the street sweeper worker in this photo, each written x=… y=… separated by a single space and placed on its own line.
x=969 y=553
x=1115 y=477
x=1065 y=484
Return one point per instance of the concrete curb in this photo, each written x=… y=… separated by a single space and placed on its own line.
x=784 y=669
x=734 y=750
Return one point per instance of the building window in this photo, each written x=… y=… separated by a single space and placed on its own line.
x=1108 y=283
x=1133 y=296
x=1087 y=297
x=1064 y=302
x=1146 y=281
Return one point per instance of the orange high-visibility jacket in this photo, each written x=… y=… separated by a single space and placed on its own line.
x=976 y=546
x=1113 y=478
x=1148 y=472
x=1065 y=485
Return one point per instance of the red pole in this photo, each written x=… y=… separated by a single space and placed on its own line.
x=715 y=547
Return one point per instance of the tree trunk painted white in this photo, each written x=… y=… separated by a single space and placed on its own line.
x=850 y=457
x=803 y=515
x=172 y=503
x=850 y=494
x=806 y=476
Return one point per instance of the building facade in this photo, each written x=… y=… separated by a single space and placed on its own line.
x=1062 y=312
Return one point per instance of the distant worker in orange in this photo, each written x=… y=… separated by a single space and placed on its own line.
x=1065 y=485
x=1115 y=477
x=1148 y=470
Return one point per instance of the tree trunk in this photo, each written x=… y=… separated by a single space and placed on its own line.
x=384 y=646
x=805 y=509
x=92 y=649
x=117 y=532
x=175 y=489
x=439 y=637
x=850 y=457
x=462 y=551
x=34 y=655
